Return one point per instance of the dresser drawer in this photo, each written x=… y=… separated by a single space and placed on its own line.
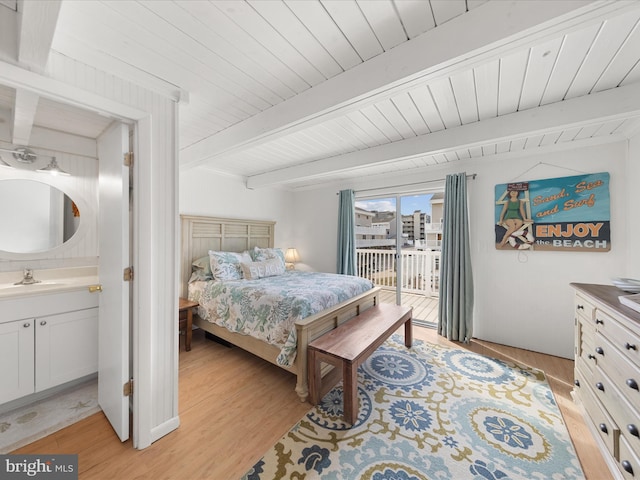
x=585 y=354
x=584 y=307
x=623 y=414
x=583 y=376
x=622 y=338
x=623 y=374
x=604 y=424
x=629 y=463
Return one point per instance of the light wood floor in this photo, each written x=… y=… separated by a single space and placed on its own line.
x=234 y=406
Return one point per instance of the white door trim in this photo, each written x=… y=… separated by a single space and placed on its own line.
x=143 y=297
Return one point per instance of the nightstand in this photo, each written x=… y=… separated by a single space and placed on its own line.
x=185 y=320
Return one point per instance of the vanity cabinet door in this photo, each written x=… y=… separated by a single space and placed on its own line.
x=16 y=359
x=66 y=347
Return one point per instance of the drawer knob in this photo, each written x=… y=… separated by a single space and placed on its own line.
x=627 y=466
x=600 y=386
x=26 y=325
x=599 y=322
x=603 y=428
x=631 y=383
x=591 y=356
x=576 y=383
x=633 y=430
x=580 y=307
x=599 y=351
x=629 y=346
x=43 y=323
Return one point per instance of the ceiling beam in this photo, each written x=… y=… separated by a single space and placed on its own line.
x=617 y=103
x=57 y=90
x=37 y=24
x=24 y=112
x=495 y=26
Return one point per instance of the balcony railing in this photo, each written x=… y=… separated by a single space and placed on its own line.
x=419 y=273
x=362 y=230
x=433 y=227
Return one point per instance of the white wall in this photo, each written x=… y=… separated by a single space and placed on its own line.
x=521 y=299
x=203 y=192
x=633 y=203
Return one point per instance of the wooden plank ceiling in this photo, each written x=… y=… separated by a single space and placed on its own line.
x=304 y=92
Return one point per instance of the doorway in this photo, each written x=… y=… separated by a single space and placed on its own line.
x=398 y=240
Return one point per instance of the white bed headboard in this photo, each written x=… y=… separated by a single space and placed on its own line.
x=201 y=234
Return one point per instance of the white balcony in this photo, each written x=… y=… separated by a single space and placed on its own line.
x=433 y=227
x=379 y=231
x=419 y=269
x=376 y=242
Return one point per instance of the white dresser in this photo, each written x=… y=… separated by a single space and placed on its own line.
x=607 y=374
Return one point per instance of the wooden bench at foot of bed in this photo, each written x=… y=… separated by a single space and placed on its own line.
x=349 y=345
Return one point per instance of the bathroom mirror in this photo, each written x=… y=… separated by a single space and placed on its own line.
x=35 y=217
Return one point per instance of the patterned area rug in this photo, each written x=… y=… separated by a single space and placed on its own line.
x=27 y=424
x=431 y=412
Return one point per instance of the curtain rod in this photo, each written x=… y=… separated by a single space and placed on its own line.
x=471 y=175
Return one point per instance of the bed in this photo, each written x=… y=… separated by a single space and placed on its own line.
x=201 y=234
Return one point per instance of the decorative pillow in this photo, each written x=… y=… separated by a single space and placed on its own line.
x=198 y=275
x=201 y=268
x=266 y=268
x=260 y=254
x=226 y=265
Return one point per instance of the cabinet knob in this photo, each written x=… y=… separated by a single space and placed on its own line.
x=633 y=430
x=599 y=322
x=580 y=307
x=591 y=356
x=603 y=428
x=600 y=386
x=599 y=351
x=627 y=466
x=576 y=383
x=43 y=323
x=26 y=325
x=629 y=346
x=631 y=383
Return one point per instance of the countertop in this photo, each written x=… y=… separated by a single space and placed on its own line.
x=55 y=280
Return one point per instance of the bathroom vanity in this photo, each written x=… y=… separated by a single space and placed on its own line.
x=48 y=330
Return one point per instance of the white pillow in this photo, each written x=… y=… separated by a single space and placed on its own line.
x=267 y=268
x=226 y=265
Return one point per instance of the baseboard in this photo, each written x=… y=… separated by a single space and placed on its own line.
x=163 y=429
x=36 y=397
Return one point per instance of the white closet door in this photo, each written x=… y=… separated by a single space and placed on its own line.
x=113 y=331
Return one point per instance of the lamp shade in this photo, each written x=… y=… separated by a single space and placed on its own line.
x=53 y=168
x=291 y=256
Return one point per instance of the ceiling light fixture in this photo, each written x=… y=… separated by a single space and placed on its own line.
x=25 y=155
x=53 y=168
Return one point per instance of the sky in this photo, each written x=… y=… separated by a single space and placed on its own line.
x=410 y=203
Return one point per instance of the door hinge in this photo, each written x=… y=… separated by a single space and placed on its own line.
x=128 y=274
x=128 y=159
x=127 y=389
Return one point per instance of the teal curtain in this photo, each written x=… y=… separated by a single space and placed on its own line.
x=455 y=310
x=347 y=233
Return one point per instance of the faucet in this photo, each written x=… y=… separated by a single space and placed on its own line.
x=27 y=277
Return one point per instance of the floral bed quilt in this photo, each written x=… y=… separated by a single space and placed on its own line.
x=267 y=308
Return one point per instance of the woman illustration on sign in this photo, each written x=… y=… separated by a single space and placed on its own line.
x=513 y=216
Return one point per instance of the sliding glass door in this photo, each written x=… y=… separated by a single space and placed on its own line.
x=398 y=242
